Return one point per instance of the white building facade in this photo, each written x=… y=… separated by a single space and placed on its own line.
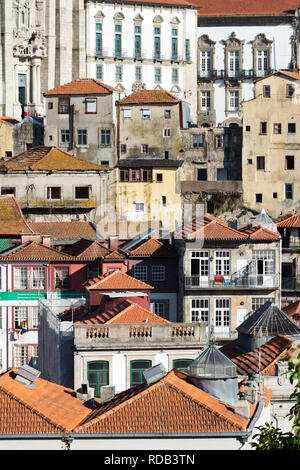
x=135 y=45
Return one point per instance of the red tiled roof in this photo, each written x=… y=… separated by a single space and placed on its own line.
x=125 y=312
x=87 y=249
x=248 y=363
x=290 y=221
x=51 y=159
x=166 y=3
x=171 y=405
x=150 y=97
x=152 y=247
x=233 y=8
x=83 y=86
x=209 y=228
x=8 y=120
x=12 y=221
x=33 y=251
x=127 y=230
x=260 y=233
x=72 y=230
x=47 y=408
x=115 y=255
x=116 y=280
x=293 y=311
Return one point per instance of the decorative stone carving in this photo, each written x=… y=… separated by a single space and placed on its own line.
x=158 y=19
x=175 y=20
x=233 y=42
x=204 y=42
x=137 y=86
x=99 y=15
x=261 y=41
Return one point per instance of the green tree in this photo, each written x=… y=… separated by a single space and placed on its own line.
x=271 y=438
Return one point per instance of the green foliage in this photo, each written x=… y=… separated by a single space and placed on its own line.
x=271 y=438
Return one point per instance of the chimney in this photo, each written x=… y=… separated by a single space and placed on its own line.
x=242 y=406
x=107 y=392
x=113 y=242
x=86 y=393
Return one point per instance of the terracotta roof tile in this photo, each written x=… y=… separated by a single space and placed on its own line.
x=248 y=363
x=72 y=230
x=50 y=159
x=233 y=8
x=150 y=97
x=87 y=249
x=166 y=3
x=293 y=311
x=171 y=405
x=84 y=86
x=47 y=408
x=125 y=312
x=209 y=228
x=33 y=251
x=127 y=230
x=115 y=255
x=12 y=221
x=152 y=248
x=8 y=120
x=260 y=233
x=116 y=280
x=290 y=221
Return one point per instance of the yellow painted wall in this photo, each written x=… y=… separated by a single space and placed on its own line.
x=6 y=139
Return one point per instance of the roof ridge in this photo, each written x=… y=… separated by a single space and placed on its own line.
x=133 y=305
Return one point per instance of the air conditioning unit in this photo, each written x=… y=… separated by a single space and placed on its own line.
x=16 y=334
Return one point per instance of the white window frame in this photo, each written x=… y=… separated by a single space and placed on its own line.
x=199 y=308
x=127 y=113
x=64 y=279
x=20 y=355
x=166 y=132
x=222 y=312
x=139 y=206
x=205 y=63
x=205 y=100
x=222 y=263
x=146 y=113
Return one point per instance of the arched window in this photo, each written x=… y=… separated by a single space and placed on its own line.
x=98 y=375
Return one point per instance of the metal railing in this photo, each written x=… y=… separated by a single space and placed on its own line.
x=247 y=281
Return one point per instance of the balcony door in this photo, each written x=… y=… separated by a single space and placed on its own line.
x=200 y=268
x=222 y=318
x=263 y=268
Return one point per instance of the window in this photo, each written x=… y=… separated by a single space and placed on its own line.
x=290 y=90
x=174 y=44
x=222 y=312
x=291 y=127
x=123 y=149
x=20 y=317
x=258 y=197
x=5 y=191
x=119 y=73
x=250 y=161
x=62 y=278
x=124 y=175
x=219 y=141
x=118 y=39
x=205 y=63
x=105 y=138
x=64 y=105
x=92 y=272
x=157 y=43
x=233 y=63
x=166 y=154
x=50 y=105
x=82 y=137
x=159 y=177
x=260 y=163
x=20 y=356
x=138 y=73
x=267 y=91
x=161 y=308
x=198 y=140
x=82 y=192
x=288 y=191
x=98 y=39
x=137 y=42
x=264 y=263
x=258 y=302
x=262 y=62
x=182 y=364
x=157 y=74
x=139 y=207
x=99 y=72
x=202 y=174
x=234 y=100
x=167 y=132
x=146 y=114
x=222 y=263
x=167 y=114
x=248 y=128
x=136 y=174
x=141 y=272
x=200 y=263
x=91 y=105
x=35 y=317
x=126 y=113
x=275 y=195
x=263 y=128
x=97 y=375
x=174 y=75
x=136 y=371
x=289 y=162
x=158 y=273
x=199 y=310
x=164 y=201
x=31 y=278
x=187 y=50
x=64 y=136
x=277 y=128
x=144 y=148
x=205 y=100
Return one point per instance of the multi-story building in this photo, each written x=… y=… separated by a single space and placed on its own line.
x=134 y=45
x=236 y=45
x=50 y=184
x=225 y=273
x=18 y=136
x=270 y=145
x=80 y=118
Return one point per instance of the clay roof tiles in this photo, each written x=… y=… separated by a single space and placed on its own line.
x=116 y=280
x=87 y=249
x=248 y=362
x=260 y=233
x=209 y=228
x=49 y=159
x=171 y=405
x=236 y=8
x=12 y=221
x=72 y=230
x=290 y=221
x=33 y=251
x=84 y=86
x=8 y=120
x=150 y=97
x=152 y=247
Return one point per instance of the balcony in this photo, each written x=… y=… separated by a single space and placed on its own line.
x=251 y=281
x=147 y=336
x=59 y=203
x=223 y=74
